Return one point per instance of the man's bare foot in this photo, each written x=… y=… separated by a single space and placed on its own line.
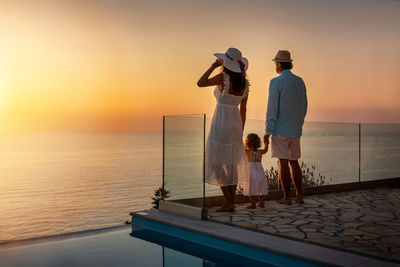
x=261 y=205
x=284 y=201
x=299 y=199
x=251 y=206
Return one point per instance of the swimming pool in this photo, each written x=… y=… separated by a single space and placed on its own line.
x=209 y=249
x=140 y=247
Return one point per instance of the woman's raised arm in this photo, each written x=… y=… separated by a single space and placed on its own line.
x=216 y=80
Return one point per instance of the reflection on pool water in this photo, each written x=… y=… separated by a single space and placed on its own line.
x=121 y=248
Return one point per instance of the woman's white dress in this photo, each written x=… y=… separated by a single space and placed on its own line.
x=226 y=162
x=256 y=184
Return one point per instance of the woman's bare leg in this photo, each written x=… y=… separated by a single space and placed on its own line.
x=233 y=194
x=261 y=199
x=226 y=191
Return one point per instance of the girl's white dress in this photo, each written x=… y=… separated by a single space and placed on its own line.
x=226 y=162
x=256 y=184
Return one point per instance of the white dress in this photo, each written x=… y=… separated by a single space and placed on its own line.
x=256 y=184
x=226 y=162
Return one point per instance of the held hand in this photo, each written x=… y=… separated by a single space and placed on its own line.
x=266 y=139
x=218 y=62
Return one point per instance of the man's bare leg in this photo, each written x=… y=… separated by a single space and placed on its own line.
x=297 y=179
x=284 y=176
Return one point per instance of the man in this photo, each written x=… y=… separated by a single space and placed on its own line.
x=287 y=107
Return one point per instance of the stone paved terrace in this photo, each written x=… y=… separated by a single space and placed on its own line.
x=362 y=221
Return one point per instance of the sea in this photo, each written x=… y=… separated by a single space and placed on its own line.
x=56 y=183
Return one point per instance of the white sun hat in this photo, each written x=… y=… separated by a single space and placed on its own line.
x=231 y=59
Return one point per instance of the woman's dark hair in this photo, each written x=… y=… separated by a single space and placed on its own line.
x=253 y=141
x=238 y=79
x=286 y=65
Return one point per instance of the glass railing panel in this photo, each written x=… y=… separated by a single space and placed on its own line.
x=211 y=190
x=380 y=151
x=332 y=148
x=183 y=156
x=329 y=154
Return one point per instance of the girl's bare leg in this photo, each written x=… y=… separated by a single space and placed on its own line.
x=253 y=203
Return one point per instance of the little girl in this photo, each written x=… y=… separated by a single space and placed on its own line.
x=256 y=185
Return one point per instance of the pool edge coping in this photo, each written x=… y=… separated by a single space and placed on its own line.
x=286 y=247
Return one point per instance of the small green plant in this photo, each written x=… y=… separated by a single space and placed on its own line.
x=159 y=194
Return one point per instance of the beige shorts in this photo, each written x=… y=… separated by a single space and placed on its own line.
x=285 y=147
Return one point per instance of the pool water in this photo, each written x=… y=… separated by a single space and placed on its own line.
x=141 y=247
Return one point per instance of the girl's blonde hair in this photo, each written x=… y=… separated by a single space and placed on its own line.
x=252 y=141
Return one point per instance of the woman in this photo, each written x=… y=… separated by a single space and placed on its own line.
x=226 y=163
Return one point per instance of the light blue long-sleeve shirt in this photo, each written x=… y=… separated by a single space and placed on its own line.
x=287 y=105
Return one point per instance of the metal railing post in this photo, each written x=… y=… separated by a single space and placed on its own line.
x=359 y=152
x=204 y=160
x=163 y=155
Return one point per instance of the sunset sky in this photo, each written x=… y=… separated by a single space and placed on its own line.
x=121 y=65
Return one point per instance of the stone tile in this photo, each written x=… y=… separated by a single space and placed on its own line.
x=383 y=215
x=391 y=240
x=282 y=221
x=331 y=224
x=311 y=202
x=323 y=214
x=329 y=229
x=350 y=216
x=308 y=228
x=295 y=234
x=239 y=219
x=261 y=217
x=352 y=232
x=222 y=219
x=245 y=224
x=244 y=212
x=380 y=230
x=291 y=229
x=363 y=242
x=312 y=236
x=395 y=224
x=287 y=214
x=370 y=218
x=268 y=229
x=300 y=222
x=309 y=212
x=263 y=222
x=328 y=241
x=281 y=226
x=352 y=224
